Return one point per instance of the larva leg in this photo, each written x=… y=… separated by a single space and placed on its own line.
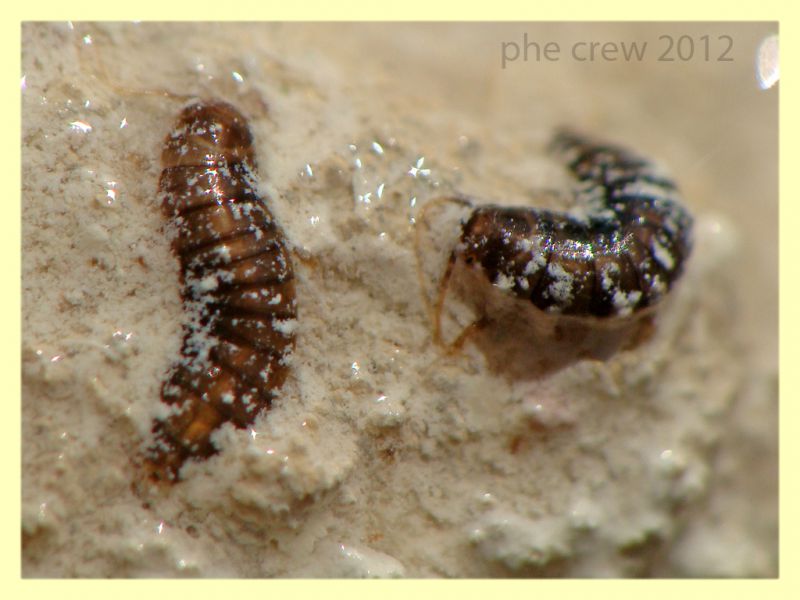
x=457 y=344
x=305 y=258
x=437 y=309
x=434 y=309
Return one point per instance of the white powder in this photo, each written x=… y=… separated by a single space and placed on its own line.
x=560 y=289
x=662 y=255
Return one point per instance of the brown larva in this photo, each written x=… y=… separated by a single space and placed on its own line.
x=614 y=255
x=238 y=286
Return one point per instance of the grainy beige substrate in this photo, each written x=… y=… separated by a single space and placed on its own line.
x=386 y=457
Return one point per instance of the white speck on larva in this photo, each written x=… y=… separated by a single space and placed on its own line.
x=560 y=289
x=662 y=255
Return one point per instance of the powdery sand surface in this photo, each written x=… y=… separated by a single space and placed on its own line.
x=385 y=456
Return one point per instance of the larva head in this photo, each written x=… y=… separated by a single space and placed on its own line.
x=488 y=236
x=208 y=133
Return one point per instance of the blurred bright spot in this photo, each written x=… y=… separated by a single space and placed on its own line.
x=768 y=68
x=81 y=126
x=417 y=169
x=111 y=194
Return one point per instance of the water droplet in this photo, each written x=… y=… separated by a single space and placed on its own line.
x=80 y=126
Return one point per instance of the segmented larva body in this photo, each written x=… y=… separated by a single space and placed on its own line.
x=238 y=287
x=617 y=253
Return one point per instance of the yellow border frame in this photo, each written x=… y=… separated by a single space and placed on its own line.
x=10 y=238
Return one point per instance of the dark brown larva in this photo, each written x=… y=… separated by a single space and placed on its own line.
x=238 y=287
x=615 y=254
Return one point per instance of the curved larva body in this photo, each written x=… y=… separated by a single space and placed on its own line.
x=238 y=283
x=618 y=256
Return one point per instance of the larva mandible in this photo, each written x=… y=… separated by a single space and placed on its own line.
x=617 y=253
x=238 y=286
